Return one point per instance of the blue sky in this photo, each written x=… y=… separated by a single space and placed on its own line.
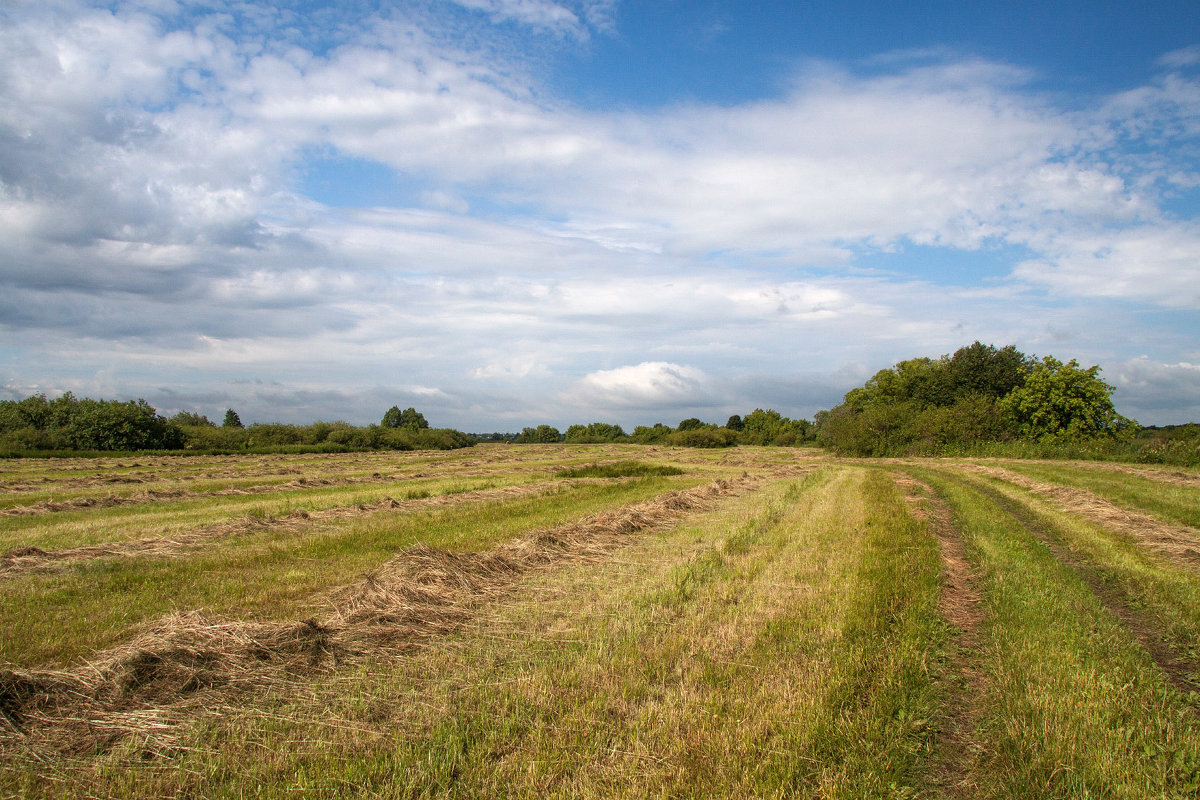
x=510 y=212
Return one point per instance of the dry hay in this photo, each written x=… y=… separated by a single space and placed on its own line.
x=159 y=495
x=30 y=559
x=1173 y=477
x=178 y=667
x=1178 y=542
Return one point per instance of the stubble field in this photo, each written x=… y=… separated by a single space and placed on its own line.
x=598 y=621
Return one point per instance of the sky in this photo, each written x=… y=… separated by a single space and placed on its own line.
x=514 y=212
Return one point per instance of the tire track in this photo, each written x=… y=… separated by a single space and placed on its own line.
x=1179 y=543
x=961 y=604
x=1182 y=671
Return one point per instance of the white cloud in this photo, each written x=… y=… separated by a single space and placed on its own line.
x=1150 y=389
x=538 y=14
x=1159 y=264
x=649 y=385
x=151 y=214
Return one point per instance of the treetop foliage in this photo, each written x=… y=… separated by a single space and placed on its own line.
x=409 y=419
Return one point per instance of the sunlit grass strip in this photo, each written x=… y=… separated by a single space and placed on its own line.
x=1166 y=593
x=1173 y=502
x=618 y=469
x=778 y=647
x=1072 y=706
x=167 y=517
x=64 y=616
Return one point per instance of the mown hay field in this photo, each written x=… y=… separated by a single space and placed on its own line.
x=598 y=621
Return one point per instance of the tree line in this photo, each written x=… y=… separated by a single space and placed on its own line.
x=70 y=423
x=956 y=404
x=759 y=427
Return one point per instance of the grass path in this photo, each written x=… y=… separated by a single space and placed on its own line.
x=1072 y=704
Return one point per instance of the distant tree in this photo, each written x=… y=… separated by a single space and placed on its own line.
x=594 y=433
x=409 y=419
x=392 y=417
x=690 y=424
x=192 y=419
x=734 y=423
x=645 y=434
x=982 y=370
x=413 y=420
x=542 y=434
x=232 y=420
x=769 y=427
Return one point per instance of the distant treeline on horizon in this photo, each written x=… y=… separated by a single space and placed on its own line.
x=980 y=400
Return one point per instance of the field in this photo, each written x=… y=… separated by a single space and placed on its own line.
x=596 y=621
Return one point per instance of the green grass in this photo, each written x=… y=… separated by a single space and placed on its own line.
x=63 y=616
x=1167 y=592
x=775 y=647
x=1071 y=705
x=621 y=469
x=787 y=642
x=1167 y=501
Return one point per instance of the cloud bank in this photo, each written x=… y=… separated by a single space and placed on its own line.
x=201 y=203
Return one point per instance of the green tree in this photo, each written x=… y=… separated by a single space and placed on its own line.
x=542 y=434
x=594 y=433
x=409 y=419
x=645 y=434
x=232 y=420
x=690 y=424
x=192 y=419
x=1065 y=402
x=734 y=423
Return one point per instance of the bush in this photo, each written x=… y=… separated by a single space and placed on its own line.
x=702 y=437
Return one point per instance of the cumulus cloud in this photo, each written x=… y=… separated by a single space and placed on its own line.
x=155 y=224
x=649 y=385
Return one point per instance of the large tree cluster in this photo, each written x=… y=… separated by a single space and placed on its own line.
x=979 y=394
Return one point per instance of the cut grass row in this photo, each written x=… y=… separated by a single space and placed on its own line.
x=1173 y=502
x=777 y=646
x=173 y=516
x=64 y=616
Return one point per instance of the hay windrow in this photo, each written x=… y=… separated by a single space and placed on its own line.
x=1177 y=542
x=180 y=665
x=28 y=559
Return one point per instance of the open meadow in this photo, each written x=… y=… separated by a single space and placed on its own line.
x=598 y=621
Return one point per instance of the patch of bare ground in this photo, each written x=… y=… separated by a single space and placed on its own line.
x=28 y=559
x=961 y=605
x=1178 y=542
x=187 y=665
x=1183 y=672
